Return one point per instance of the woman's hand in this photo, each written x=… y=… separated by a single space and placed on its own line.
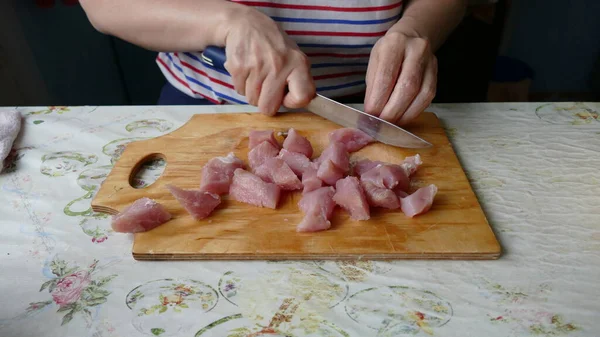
x=263 y=61
x=401 y=77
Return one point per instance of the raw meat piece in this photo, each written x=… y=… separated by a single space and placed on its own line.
x=351 y=197
x=294 y=142
x=400 y=194
x=141 y=216
x=249 y=188
x=317 y=207
x=388 y=176
x=275 y=170
x=296 y=161
x=380 y=197
x=256 y=137
x=364 y=165
x=258 y=155
x=411 y=164
x=352 y=139
x=336 y=152
x=329 y=173
x=419 y=202
x=217 y=173
x=310 y=180
x=196 y=202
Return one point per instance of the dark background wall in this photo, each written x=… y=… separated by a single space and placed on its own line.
x=52 y=56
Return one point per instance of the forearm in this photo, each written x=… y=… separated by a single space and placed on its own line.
x=165 y=25
x=433 y=20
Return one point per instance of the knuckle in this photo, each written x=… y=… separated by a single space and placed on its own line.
x=410 y=84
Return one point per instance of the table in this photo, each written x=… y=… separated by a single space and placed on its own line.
x=534 y=167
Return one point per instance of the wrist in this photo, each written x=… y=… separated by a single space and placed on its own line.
x=230 y=16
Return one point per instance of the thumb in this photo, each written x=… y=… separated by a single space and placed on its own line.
x=301 y=89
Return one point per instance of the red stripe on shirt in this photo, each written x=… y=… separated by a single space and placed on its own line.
x=319 y=8
x=328 y=76
x=198 y=71
x=337 y=55
x=183 y=82
x=321 y=33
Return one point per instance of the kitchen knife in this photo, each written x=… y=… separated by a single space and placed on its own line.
x=383 y=131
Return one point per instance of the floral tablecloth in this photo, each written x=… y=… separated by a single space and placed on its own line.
x=534 y=167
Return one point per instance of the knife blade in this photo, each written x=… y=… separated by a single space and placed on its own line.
x=381 y=130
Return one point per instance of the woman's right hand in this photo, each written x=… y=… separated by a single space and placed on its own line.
x=263 y=61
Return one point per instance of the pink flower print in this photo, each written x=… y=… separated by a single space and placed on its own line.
x=100 y=239
x=69 y=289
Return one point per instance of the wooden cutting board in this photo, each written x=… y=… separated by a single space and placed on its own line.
x=454 y=228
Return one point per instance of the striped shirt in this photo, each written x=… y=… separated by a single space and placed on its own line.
x=337 y=40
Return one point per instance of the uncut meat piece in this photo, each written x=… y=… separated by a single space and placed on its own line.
x=276 y=171
x=251 y=189
x=199 y=204
x=337 y=153
x=380 y=197
x=352 y=139
x=310 y=180
x=296 y=161
x=218 y=172
x=258 y=155
x=258 y=136
x=317 y=206
x=141 y=216
x=419 y=202
x=388 y=176
x=294 y=142
x=351 y=197
x=329 y=173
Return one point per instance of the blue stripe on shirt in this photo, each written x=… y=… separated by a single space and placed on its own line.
x=207 y=87
x=332 y=21
x=196 y=58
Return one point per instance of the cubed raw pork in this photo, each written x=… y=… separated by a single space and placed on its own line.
x=258 y=155
x=296 y=161
x=329 y=173
x=352 y=139
x=337 y=153
x=256 y=137
x=249 y=188
x=380 y=197
x=351 y=197
x=419 y=202
x=141 y=216
x=362 y=166
x=276 y=171
x=310 y=180
x=411 y=164
x=217 y=173
x=196 y=202
x=294 y=142
x=388 y=176
x=317 y=207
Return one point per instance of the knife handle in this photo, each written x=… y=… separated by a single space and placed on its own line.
x=214 y=57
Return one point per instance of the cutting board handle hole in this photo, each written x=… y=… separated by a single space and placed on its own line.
x=147 y=170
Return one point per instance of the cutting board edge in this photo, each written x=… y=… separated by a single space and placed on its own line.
x=348 y=257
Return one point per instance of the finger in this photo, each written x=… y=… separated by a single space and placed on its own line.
x=425 y=96
x=253 y=86
x=407 y=87
x=271 y=95
x=301 y=89
x=239 y=76
x=384 y=68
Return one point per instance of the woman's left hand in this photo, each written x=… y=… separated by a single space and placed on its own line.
x=401 y=77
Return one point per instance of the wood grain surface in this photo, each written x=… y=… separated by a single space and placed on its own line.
x=454 y=228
